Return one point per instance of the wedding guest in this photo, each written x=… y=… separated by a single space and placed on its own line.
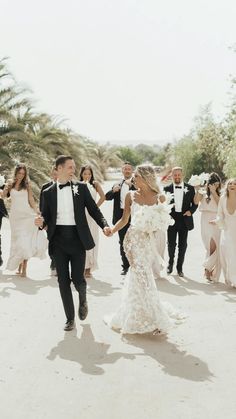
x=45 y=186
x=118 y=194
x=3 y=213
x=63 y=214
x=86 y=175
x=182 y=211
x=26 y=240
x=226 y=220
x=208 y=200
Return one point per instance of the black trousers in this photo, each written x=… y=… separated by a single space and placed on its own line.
x=69 y=255
x=122 y=233
x=0 y=236
x=178 y=229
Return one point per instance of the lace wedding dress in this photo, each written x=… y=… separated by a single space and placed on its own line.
x=141 y=310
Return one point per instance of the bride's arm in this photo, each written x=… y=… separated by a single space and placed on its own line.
x=31 y=199
x=126 y=214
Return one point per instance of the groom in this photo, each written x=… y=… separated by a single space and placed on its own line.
x=63 y=213
x=182 y=212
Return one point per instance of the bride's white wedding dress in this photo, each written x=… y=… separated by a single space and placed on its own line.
x=141 y=310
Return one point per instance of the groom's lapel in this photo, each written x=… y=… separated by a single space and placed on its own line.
x=54 y=201
x=75 y=199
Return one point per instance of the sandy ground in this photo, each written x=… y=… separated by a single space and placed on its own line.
x=93 y=372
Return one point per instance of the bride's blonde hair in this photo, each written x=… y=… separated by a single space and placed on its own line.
x=149 y=176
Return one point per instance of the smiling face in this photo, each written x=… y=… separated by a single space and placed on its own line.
x=86 y=175
x=20 y=174
x=66 y=171
x=231 y=186
x=177 y=176
x=127 y=171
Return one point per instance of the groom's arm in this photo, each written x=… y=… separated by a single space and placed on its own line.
x=93 y=209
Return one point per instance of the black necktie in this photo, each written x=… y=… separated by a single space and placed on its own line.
x=178 y=187
x=63 y=185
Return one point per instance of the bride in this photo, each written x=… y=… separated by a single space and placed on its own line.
x=141 y=310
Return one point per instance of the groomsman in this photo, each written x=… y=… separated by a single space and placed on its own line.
x=118 y=194
x=182 y=211
x=3 y=213
x=63 y=213
x=44 y=187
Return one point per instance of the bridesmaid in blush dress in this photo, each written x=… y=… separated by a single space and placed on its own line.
x=87 y=176
x=208 y=205
x=226 y=220
x=26 y=239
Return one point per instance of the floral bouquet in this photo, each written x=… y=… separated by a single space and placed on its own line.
x=199 y=180
x=2 y=180
x=150 y=218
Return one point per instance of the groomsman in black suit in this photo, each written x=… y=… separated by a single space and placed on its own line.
x=118 y=194
x=63 y=213
x=182 y=211
x=44 y=187
x=3 y=213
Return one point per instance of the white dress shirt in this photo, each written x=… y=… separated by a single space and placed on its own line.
x=178 y=195
x=123 y=192
x=65 y=206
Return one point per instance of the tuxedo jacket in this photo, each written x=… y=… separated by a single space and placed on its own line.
x=81 y=199
x=117 y=210
x=45 y=186
x=3 y=210
x=187 y=204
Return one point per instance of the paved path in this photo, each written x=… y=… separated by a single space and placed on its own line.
x=93 y=373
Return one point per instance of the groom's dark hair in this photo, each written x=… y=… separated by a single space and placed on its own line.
x=60 y=160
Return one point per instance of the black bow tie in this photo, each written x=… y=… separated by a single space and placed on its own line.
x=178 y=187
x=63 y=185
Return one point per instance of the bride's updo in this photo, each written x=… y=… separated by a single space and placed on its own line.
x=149 y=176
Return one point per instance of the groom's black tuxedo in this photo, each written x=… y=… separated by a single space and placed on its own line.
x=117 y=214
x=81 y=199
x=183 y=224
x=69 y=242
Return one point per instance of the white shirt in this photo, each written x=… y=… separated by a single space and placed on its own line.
x=178 y=195
x=65 y=206
x=123 y=192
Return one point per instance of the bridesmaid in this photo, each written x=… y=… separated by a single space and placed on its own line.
x=226 y=220
x=26 y=240
x=208 y=205
x=87 y=176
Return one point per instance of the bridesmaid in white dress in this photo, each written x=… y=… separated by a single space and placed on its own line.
x=87 y=176
x=208 y=205
x=26 y=240
x=226 y=220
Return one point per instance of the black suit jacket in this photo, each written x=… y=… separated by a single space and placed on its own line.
x=117 y=210
x=187 y=205
x=81 y=200
x=3 y=210
x=45 y=186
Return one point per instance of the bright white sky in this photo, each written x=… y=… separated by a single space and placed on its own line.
x=123 y=70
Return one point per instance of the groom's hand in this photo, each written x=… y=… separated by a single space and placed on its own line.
x=107 y=231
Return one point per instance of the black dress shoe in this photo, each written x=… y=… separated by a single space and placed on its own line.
x=180 y=273
x=70 y=324
x=169 y=269
x=83 y=310
x=124 y=271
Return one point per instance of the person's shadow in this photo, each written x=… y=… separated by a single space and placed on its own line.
x=99 y=288
x=173 y=361
x=86 y=351
x=15 y=283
